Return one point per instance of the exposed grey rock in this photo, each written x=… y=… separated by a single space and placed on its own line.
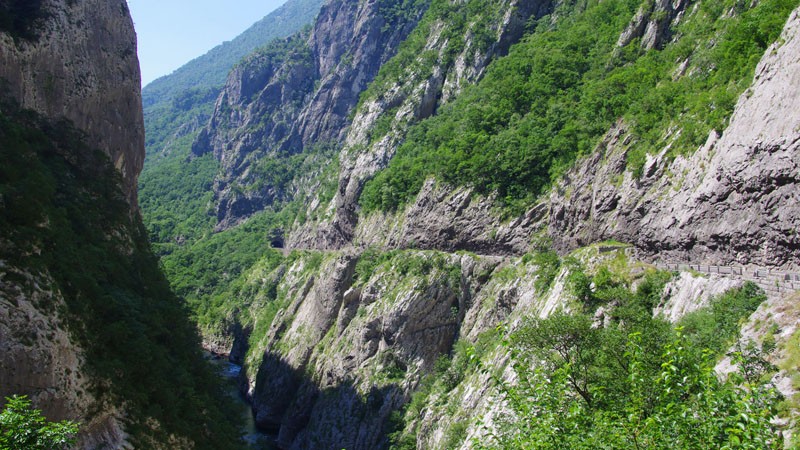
x=735 y=201
x=279 y=107
x=690 y=292
x=417 y=95
x=80 y=66
x=653 y=23
x=449 y=219
x=303 y=324
x=40 y=359
x=318 y=381
x=83 y=67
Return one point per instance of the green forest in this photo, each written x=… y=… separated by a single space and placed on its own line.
x=561 y=88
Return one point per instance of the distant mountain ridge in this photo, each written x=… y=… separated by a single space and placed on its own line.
x=212 y=68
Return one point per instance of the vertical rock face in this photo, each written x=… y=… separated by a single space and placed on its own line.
x=349 y=348
x=734 y=201
x=75 y=61
x=41 y=360
x=79 y=63
x=414 y=96
x=653 y=23
x=278 y=103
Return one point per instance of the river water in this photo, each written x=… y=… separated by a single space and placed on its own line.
x=256 y=439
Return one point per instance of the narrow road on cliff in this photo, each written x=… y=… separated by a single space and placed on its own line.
x=771 y=280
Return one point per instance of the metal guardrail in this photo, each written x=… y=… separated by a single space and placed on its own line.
x=768 y=279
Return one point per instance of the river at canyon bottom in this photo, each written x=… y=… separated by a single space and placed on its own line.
x=254 y=438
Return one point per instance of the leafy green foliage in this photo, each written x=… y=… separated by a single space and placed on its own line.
x=175 y=196
x=369 y=260
x=208 y=273
x=636 y=383
x=715 y=327
x=25 y=428
x=174 y=189
x=206 y=267
x=556 y=93
x=62 y=204
x=396 y=12
x=548 y=265
x=163 y=121
x=608 y=287
x=679 y=403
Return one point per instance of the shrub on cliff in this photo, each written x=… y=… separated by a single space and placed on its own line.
x=25 y=428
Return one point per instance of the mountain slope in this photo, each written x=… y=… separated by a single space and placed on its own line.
x=542 y=136
x=89 y=328
x=211 y=69
x=293 y=95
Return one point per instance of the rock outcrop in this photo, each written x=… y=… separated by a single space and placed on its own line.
x=426 y=84
x=70 y=89
x=733 y=201
x=41 y=359
x=653 y=23
x=79 y=63
x=348 y=348
x=277 y=104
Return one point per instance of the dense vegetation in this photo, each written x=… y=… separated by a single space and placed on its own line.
x=560 y=89
x=639 y=383
x=621 y=379
x=25 y=428
x=62 y=204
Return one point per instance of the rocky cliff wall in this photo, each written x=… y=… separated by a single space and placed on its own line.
x=279 y=105
x=733 y=201
x=40 y=359
x=80 y=64
x=349 y=344
x=72 y=61
x=444 y=61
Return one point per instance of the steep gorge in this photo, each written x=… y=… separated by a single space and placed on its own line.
x=89 y=328
x=352 y=322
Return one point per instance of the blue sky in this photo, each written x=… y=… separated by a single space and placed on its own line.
x=173 y=32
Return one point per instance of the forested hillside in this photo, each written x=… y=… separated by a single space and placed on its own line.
x=439 y=224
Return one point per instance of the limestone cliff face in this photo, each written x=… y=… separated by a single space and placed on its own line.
x=81 y=65
x=77 y=62
x=735 y=200
x=432 y=78
x=732 y=201
x=279 y=103
x=40 y=359
x=349 y=346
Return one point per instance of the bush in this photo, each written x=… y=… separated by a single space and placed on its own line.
x=25 y=428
